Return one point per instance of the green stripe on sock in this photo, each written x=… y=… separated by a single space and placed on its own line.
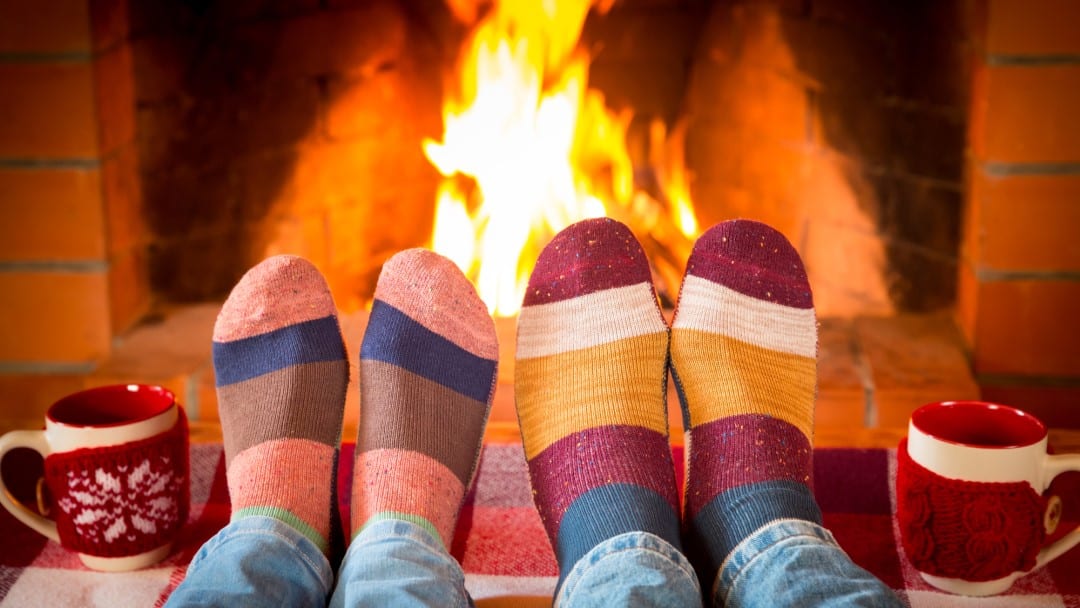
x=288 y=517
x=398 y=515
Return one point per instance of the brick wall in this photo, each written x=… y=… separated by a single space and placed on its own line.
x=72 y=269
x=1019 y=288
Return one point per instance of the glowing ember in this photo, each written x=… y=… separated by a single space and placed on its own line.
x=528 y=149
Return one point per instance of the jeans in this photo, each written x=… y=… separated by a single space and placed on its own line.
x=795 y=563
x=259 y=561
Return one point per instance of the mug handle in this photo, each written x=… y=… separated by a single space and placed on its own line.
x=1056 y=465
x=34 y=440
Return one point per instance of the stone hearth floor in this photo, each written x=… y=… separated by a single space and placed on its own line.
x=872 y=371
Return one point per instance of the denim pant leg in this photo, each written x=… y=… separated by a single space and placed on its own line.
x=632 y=569
x=796 y=563
x=256 y=561
x=398 y=563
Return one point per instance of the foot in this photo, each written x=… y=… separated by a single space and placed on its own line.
x=281 y=373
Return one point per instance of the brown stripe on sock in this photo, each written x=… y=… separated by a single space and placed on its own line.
x=304 y=417
x=435 y=411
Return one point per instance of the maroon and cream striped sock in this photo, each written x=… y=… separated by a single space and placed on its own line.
x=281 y=373
x=589 y=384
x=744 y=360
x=427 y=376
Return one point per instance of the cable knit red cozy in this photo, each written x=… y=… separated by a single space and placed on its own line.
x=976 y=531
x=121 y=500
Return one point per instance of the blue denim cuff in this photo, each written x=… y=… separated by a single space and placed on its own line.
x=639 y=564
x=788 y=531
x=256 y=561
x=401 y=529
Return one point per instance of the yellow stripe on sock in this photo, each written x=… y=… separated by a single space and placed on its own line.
x=734 y=377
x=620 y=382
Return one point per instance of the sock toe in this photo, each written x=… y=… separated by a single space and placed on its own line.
x=587 y=257
x=299 y=293
x=753 y=259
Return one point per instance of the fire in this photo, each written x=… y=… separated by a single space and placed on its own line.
x=529 y=149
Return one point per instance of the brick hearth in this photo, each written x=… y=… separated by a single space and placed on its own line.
x=873 y=371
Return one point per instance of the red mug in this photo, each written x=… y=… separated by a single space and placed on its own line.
x=117 y=469
x=971 y=496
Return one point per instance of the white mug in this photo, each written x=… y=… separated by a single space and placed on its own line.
x=971 y=484
x=116 y=466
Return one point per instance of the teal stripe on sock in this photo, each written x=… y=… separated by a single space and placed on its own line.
x=608 y=511
x=734 y=514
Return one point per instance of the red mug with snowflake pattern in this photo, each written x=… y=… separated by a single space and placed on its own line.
x=971 y=496
x=116 y=485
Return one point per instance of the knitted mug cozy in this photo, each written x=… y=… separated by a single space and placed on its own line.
x=975 y=531
x=125 y=499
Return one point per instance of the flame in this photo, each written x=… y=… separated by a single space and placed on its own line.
x=528 y=149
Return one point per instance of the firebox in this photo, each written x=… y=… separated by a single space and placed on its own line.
x=922 y=156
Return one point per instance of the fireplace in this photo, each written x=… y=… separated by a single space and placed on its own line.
x=922 y=156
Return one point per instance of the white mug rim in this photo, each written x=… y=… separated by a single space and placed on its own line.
x=63 y=437
x=167 y=401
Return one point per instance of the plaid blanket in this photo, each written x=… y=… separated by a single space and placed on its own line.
x=500 y=541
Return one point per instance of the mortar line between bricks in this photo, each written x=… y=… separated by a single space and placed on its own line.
x=866 y=379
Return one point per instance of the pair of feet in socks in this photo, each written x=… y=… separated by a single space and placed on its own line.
x=593 y=356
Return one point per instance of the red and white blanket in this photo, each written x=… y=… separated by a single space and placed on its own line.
x=500 y=541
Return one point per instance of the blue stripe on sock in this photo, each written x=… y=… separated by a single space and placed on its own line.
x=305 y=342
x=394 y=337
x=608 y=511
x=737 y=513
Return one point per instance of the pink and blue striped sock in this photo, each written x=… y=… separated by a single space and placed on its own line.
x=281 y=373
x=589 y=384
x=743 y=356
x=427 y=375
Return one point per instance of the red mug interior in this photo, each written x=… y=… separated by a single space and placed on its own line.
x=979 y=424
x=111 y=405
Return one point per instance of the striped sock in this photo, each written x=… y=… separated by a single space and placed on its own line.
x=743 y=355
x=281 y=372
x=589 y=382
x=427 y=376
